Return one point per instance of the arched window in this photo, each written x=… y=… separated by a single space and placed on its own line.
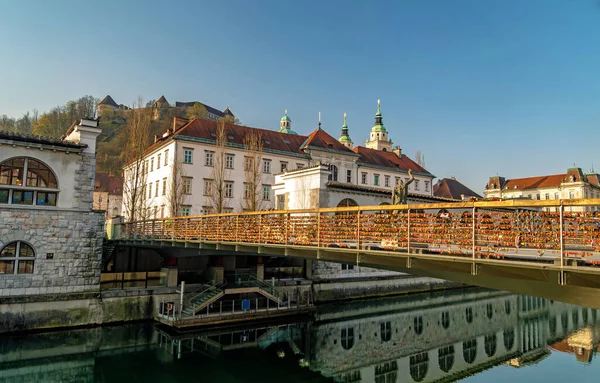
x=509 y=339
x=419 y=364
x=490 y=344
x=489 y=310
x=445 y=319
x=446 y=358
x=17 y=258
x=418 y=322
x=384 y=372
x=334 y=173
x=470 y=350
x=469 y=314
x=386 y=331
x=347 y=336
x=26 y=181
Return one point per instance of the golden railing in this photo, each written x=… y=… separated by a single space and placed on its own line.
x=484 y=229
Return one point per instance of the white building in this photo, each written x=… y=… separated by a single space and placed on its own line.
x=189 y=148
x=569 y=185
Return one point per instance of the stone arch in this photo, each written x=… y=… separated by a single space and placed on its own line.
x=347 y=202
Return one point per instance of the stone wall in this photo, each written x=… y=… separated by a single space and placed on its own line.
x=67 y=246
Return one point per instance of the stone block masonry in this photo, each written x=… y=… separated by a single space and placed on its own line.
x=67 y=246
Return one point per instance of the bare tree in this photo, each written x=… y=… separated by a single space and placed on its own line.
x=420 y=158
x=175 y=192
x=253 y=193
x=219 y=195
x=135 y=193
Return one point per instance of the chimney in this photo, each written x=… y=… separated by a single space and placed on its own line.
x=397 y=151
x=178 y=122
x=155 y=138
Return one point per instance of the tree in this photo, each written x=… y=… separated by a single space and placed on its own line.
x=218 y=196
x=175 y=192
x=420 y=158
x=231 y=120
x=253 y=147
x=197 y=111
x=135 y=198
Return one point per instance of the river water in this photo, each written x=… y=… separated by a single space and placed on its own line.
x=473 y=335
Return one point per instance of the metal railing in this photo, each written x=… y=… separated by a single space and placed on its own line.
x=551 y=230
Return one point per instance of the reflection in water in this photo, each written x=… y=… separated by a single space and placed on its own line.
x=421 y=338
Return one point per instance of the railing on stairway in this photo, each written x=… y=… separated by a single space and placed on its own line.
x=197 y=299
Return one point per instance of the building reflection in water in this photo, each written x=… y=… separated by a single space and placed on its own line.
x=420 y=338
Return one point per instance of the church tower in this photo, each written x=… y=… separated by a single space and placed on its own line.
x=285 y=125
x=345 y=137
x=378 y=139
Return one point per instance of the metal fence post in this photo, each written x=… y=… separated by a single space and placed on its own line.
x=318 y=229
x=358 y=229
x=408 y=232
x=473 y=234
x=237 y=218
x=562 y=241
x=287 y=222
x=259 y=228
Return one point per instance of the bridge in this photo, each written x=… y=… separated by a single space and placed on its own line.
x=547 y=248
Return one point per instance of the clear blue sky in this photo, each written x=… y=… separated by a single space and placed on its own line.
x=481 y=87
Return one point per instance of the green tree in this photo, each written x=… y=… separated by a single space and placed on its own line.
x=197 y=111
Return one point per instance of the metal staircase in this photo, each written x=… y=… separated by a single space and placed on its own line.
x=206 y=296
x=265 y=289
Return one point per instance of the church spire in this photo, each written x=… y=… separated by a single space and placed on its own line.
x=378 y=138
x=345 y=138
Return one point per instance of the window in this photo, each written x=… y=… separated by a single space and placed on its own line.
x=158 y=161
x=150 y=190
x=426 y=186
x=186 y=185
x=445 y=319
x=145 y=167
x=347 y=338
x=418 y=323
x=27 y=172
x=247 y=191
x=446 y=358
x=229 y=161
x=209 y=158
x=228 y=189
x=509 y=337
x=17 y=258
x=162 y=211
x=348 y=175
x=166 y=157
x=186 y=210
x=419 y=365
x=299 y=166
x=283 y=166
x=363 y=178
x=155 y=212
x=416 y=184
x=384 y=373
x=489 y=310
x=266 y=192
x=470 y=350
x=547 y=196
x=187 y=156
x=164 y=192
x=507 y=307
x=280 y=202
x=248 y=163
x=333 y=176
x=386 y=331
x=376 y=179
x=537 y=196
x=387 y=181
x=571 y=195
x=208 y=187
x=490 y=344
x=267 y=166
x=347 y=266
x=152 y=164
x=469 y=314
x=156 y=188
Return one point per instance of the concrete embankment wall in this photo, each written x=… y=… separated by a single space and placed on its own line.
x=338 y=290
x=71 y=310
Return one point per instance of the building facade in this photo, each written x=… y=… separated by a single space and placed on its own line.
x=187 y=158
x=108 y=194
x=50 y=238
x=570 y=185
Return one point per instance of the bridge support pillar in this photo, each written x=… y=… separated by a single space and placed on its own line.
x=260 y=271
x=474 y=269
x=216 y=273
x=168 y=276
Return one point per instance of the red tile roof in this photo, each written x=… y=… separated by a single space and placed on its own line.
x=387 y=159
x=594 y=179
x=320 y=139
x=202 y=128
x=451 y=188
x=107 y=183
x=539 y=182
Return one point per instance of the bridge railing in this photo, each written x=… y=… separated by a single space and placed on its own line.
x=522 y=229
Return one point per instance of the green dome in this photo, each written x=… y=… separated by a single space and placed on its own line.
x=287 y=130
x=286 y=118
x=344 y=139
x=378 y=128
